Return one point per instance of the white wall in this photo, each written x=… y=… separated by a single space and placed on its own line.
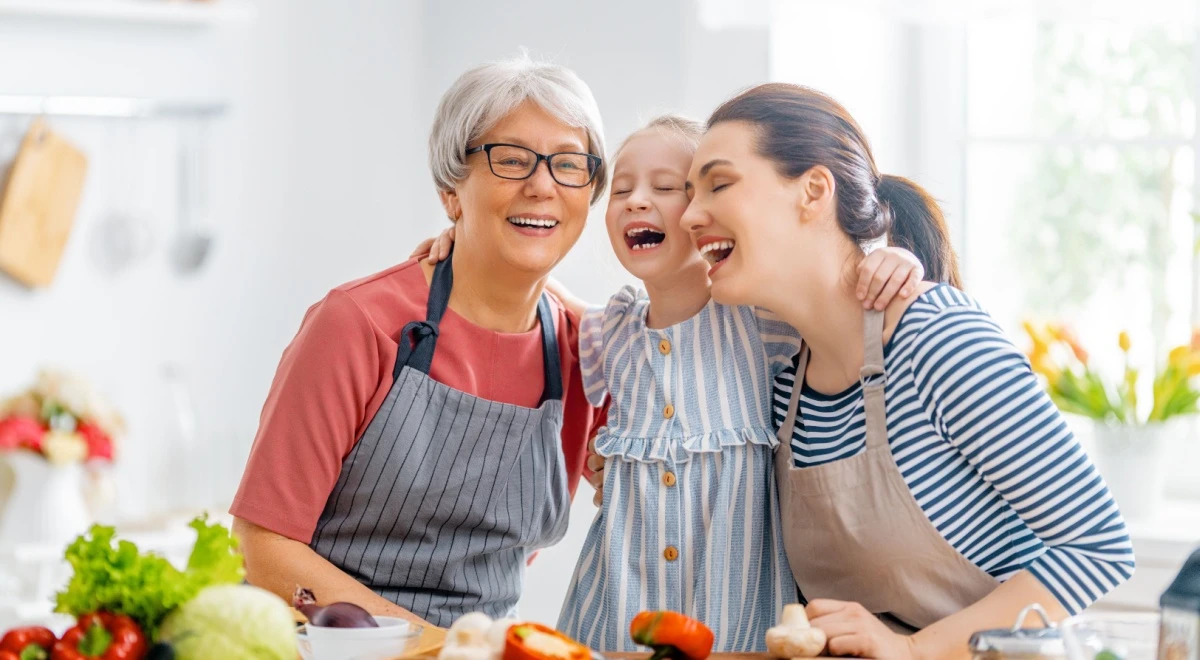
x=319 y=176
x=304 y=170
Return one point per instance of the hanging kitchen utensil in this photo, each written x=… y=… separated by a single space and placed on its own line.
x=39 y=204
x=192 y=244
x=123 y=236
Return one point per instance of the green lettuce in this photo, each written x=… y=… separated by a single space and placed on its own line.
x=145 y=586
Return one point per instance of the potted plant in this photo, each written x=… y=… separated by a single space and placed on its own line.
x=53 y=437
x=1130 y=436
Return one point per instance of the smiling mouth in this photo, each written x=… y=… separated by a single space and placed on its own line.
x=717 y=251
x=643 y=238
x=532 y=223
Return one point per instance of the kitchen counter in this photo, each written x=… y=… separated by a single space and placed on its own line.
x=646 y=656
x=715 y=656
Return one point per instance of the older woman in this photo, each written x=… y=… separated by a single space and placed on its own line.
x=426 y=427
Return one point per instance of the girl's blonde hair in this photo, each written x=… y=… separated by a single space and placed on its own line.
x=686 y=129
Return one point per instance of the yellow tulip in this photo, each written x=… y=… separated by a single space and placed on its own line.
x=1123 y=341
x=1040 y=345
x=1179 y=355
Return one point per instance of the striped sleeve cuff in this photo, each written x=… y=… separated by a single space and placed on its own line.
x=1078 y=580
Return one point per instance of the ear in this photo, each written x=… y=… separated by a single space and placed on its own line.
x=816 y=191
x=451 y=203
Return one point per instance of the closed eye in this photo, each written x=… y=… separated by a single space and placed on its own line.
x=620 y=192
x=720 y=187
x=665 y=189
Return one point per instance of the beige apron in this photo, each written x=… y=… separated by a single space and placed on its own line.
x=853 y=530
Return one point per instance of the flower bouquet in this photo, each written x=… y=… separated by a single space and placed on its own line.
x=56 y=440
x=62 y=419
x=1076 y=387
x=1130 y=435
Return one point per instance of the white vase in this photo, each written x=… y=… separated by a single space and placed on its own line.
x=45 y=503
x=1132 y=458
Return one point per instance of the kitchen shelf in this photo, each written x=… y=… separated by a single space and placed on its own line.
x=178 y=13
x=109 y=107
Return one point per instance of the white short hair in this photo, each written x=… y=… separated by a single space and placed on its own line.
x=481 y=97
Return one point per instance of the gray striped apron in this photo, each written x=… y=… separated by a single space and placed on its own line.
x=445 y=494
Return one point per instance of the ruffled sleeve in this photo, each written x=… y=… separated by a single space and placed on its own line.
x=596 y=329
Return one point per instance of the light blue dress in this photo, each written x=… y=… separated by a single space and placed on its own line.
x=690 y=520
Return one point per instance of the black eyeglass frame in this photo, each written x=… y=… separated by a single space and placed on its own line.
x=594 y=163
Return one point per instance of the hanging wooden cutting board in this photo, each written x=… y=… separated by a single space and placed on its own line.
x=38 y=206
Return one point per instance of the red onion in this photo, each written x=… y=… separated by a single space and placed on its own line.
x=334 y=615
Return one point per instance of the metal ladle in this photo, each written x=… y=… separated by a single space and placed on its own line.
x=123 y=236
x=192 y=245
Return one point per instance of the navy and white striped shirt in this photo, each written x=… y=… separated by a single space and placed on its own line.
x=986 y=454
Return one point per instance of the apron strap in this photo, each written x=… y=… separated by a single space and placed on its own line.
x=789 y=421
x=871 y=376
x=873 y=379
x=551 y=361
x=418 y=340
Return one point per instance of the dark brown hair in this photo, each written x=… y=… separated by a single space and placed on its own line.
x=799 y=128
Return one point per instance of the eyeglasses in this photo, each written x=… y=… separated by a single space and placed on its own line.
x=509 y=161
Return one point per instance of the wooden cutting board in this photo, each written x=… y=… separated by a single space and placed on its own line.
x=38 y=205
x=715 y=656
x=429 y=644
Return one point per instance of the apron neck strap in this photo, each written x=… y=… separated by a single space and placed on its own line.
x=789 y=421
x=872 y=377
x=551 y=362
x=418 y=340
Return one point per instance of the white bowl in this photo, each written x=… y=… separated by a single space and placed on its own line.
x=391 y=639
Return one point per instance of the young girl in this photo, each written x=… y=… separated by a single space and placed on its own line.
x=690 y=518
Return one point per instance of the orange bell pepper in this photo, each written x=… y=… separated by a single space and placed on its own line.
x=533 y=641
x=672 y=635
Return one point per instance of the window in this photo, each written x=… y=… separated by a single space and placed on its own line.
x=1064 y=151
x=1080 y=171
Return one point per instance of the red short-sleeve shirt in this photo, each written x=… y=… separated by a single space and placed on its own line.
x=336 y=372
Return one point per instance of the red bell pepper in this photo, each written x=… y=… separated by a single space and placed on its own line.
x=672 y=635
x=105 y=636
x=31 y=643
x=533 y=641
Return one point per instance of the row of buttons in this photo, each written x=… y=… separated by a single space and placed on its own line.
x=664 y=347
x=668 y=478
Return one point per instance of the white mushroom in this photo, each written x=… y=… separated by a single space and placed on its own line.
x=794 y=637
x=467 y=638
